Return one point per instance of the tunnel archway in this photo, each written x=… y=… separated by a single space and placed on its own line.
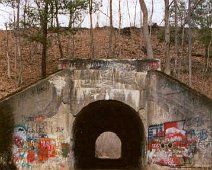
x=102 y=116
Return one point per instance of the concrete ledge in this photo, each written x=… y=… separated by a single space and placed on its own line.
x=138 y=65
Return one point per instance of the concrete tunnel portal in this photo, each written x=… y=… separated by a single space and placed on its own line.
x=67 y=117
x=103 y=116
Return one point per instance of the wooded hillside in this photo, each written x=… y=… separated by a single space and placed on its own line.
x=127 y=43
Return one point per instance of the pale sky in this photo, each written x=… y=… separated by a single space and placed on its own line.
x=6 y=13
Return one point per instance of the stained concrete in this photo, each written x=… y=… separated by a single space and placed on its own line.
x=46 y=115
x=172 y=101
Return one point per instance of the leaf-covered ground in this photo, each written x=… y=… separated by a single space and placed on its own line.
x=127 y=43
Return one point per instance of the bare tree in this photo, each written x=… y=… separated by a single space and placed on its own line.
x=120 y=18
x=120 y=22
x=135 y=3
x=176 y=36
x=51 y=12
x=167 y=38
x=111 y=30
x=147 y=38
x=25 y=10
x=128 y=11
x=152 y=11
x=7 y=51
x=15 y=54
x=43 y=15
x=208 y=54
x=97 y=20
x=189 y=42
x=18 y=45
x=141 y=23
x=58 y=29
x=91 y=29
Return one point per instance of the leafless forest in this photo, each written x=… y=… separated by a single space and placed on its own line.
x=33 y=42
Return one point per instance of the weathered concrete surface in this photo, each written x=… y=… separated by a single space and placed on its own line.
x=116 y=80
x=174 y=128
x=184 y=117
x=41 y=123
x=108 y=80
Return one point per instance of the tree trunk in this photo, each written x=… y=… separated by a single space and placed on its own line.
x=70 y=18
x=150 y=25
x=91 y=29
x=16 y=50
x=135 y=14
x=207 y=54
x=52 y=12
x=119 y=42
x=176 y=38
x=183 y=35
x=111 y=31
x=58 y=30
x=18 y=36
x=8 y=56
x=189 y=43
x=44 y=24
x=167 y=39
x=141 y=24
x=97 y=20
x=147 y=38
x=73 y=45
x=25 y=10
x=128 y=11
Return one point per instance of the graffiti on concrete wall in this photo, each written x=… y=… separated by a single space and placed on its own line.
x=195 y=128
x=168 y=144
x=39 y=140
x=20 y=146
x=175 y=143
x=198 y=129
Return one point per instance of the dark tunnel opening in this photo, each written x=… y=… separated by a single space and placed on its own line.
x=113 y=116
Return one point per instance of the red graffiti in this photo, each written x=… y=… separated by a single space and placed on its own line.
x=30 y=156
x=174 y=148
x=46 y=149
x=18 y=141
x=154 y=65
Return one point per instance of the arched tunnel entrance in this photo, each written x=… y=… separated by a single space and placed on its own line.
x=113 y=116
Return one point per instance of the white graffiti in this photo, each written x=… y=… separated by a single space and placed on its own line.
x=59 y=83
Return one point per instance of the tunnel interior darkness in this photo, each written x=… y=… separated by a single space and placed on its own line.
x=102 y=116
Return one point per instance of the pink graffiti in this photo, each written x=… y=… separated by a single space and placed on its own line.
x=18 y=141
x=154 y=65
